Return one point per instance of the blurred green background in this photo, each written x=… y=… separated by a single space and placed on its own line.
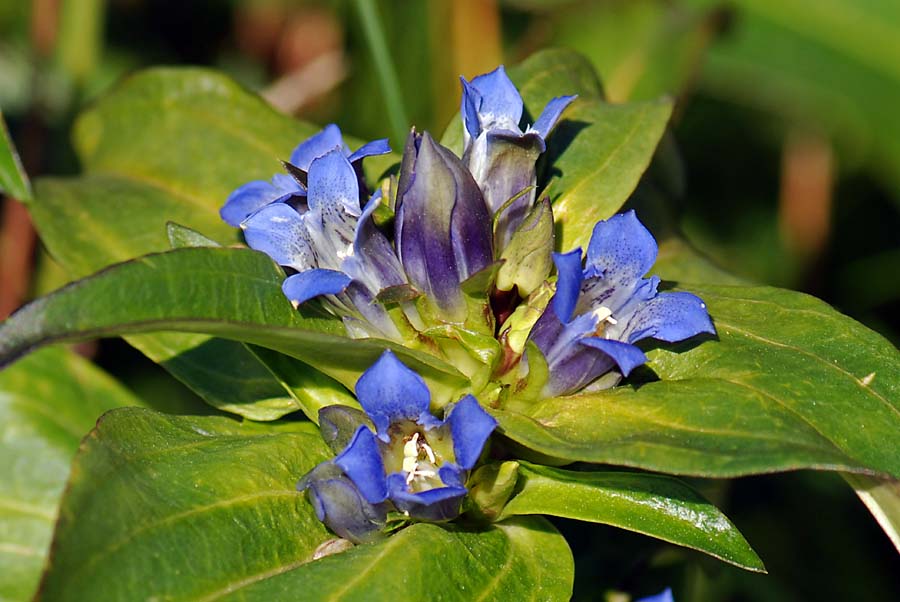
x=787 y=128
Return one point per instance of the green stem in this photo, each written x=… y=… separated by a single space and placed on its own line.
x=387 y=75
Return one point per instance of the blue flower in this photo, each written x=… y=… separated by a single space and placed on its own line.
x=333 y=246
x=598 y=312
x=500 y=156
x=252 y=196
x=442 y=229
x=405 y=456
x=663 y=596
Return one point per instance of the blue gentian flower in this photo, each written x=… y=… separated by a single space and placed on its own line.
x=663 y=596
x=599 y=312
x=252 y=196
x=401 y=455
x=333 y=246
x=442 y=228
x=500 y=156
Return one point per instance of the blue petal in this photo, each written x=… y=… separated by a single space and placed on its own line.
x=279 y=231
x=550 y=115
x=369 y=149
x=439 y=504
x=471 y=100
x=252 y=196
x=670 y=317
x=333 y=182
x=627 y=356
x=316 y=146
x=390 y=392
x=374 y=261
x=304 y=286
x=663 y=596
x=622 y=248
x=339 y=504
x=470 y=427
x=568 y=283
x=362 y=462
x=501 y=105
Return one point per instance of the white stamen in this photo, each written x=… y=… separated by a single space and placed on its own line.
x=604 y=313
x=409 y=465
x=411 y=448
x=429 y=452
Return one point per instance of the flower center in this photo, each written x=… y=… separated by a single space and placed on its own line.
x=604 y=317
x=420 y=464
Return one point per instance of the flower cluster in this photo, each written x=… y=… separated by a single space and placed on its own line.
x=455 y=257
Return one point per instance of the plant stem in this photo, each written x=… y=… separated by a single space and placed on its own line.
x=384 y=68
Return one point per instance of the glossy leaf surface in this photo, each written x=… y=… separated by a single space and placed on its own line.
x=48 y=402
x=655 y=505
x=170 y=291
x=790 y=383
x=189 y=508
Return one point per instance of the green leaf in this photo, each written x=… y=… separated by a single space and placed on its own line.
x=655 y=505
x=170 y=145
x=216 y=500
x=13 y=179
x=521 y=559
x=882 y=498
x=596 y=157
x=48 y=402
x=790 y=383
x=171 y=291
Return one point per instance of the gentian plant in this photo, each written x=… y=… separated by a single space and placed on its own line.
x=430 y=351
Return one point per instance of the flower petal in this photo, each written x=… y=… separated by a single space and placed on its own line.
x=316 y=146
x=470 y=427
x=471 y=100
x=625 y=355
x=374 y=261
x=669 y=317
x=369 y=149
x=309 y=284
x=252 y=196
x=663 y=596
x=279 y=231
x=568 y=283
x=339 y=504
x=622 y=248
x=390 y=392
x=550 y=115
x=442 y=227
x=439 y=504
x=362 y=462
x=333 y=182
x=501 y=105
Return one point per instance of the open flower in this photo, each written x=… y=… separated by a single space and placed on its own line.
x=499 y=154
x=252 y=196
x=401 y=454
x=333 y=245
x=598 y=312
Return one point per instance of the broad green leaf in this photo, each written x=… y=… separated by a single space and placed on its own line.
x=655 y=505
x=170 y=145
x=789 y=383
x=48 y=402
x=520 y=559
x=216 y=500
x=13 y=179
x=596 y=158
x=171 y=291
x=882 y=498
x=597 y=154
